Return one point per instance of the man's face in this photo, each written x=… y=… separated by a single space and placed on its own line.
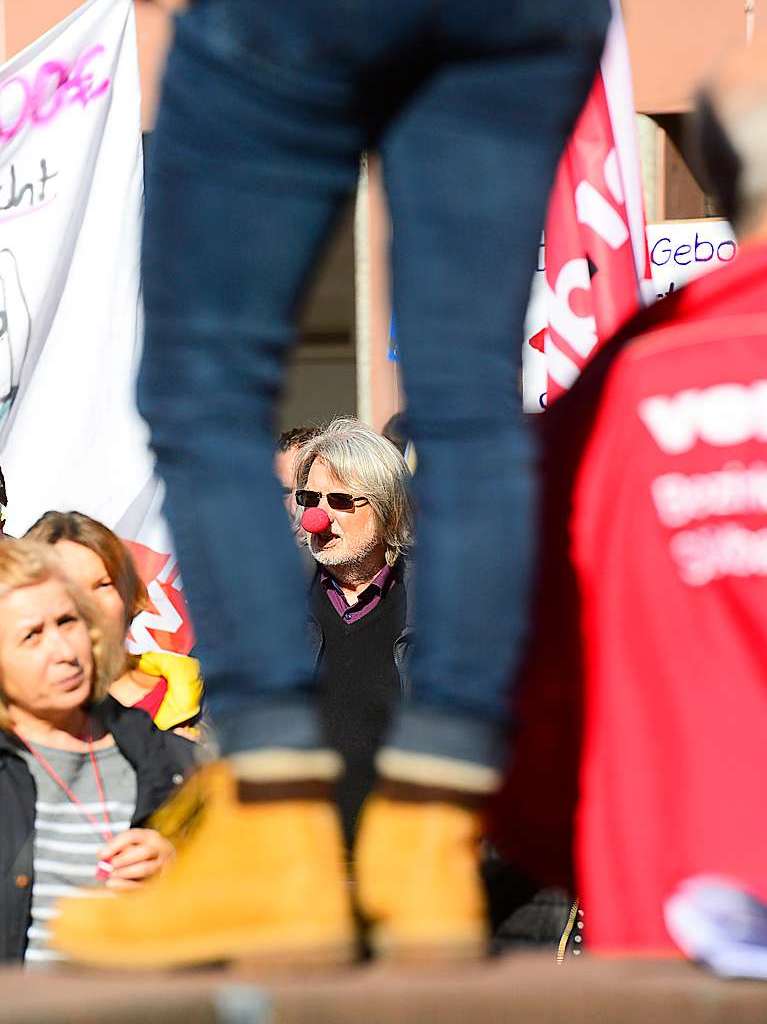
x=284 y=469
x=353 y=537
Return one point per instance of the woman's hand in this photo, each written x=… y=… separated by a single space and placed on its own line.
x=136 y=855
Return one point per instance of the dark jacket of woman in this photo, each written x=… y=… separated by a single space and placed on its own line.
x=161 y=761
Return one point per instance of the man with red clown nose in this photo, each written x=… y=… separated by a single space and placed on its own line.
x=352 y=491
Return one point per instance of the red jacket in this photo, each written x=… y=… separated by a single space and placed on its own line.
x=655 y=545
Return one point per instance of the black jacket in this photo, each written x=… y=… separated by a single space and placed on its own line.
x=161 y=760
x=403 y=643
x=354 y=734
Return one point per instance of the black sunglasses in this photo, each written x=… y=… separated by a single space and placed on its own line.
x=336 y=499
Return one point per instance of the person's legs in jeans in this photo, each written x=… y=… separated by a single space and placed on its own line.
x=253 y=159
x=467 y=168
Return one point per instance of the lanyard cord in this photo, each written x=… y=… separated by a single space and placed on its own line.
x=106 y=830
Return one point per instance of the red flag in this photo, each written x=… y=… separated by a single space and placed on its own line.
x=597 y=263
x=165 y=624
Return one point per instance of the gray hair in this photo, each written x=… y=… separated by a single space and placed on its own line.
x=371 y=466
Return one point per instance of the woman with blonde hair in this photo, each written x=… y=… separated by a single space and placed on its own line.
x=167 y=686
x=79 y=773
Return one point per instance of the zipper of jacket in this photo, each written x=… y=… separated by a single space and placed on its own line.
x=568 y=931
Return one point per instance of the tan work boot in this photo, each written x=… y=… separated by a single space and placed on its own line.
x=261 y=880
x=417 y=872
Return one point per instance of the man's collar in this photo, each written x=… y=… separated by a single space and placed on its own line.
x=380 y=581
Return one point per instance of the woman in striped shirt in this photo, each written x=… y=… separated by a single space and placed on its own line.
x=79 y=774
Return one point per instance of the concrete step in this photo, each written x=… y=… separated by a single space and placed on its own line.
x=516 y=989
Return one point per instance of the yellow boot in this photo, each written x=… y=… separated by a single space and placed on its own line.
x=262 y=880
x=418 y=883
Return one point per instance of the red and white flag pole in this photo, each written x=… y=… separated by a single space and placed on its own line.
x=597 y=262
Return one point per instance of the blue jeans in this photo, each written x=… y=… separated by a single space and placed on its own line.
x=266 y=109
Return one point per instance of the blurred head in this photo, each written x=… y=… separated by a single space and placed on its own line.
x=350 y=458
x=395 y=431
x=98 y=562
x=731 y=128
x=54 y=657
x=288 y=445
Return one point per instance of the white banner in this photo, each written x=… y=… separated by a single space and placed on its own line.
x=683 y=249
x=71 y=188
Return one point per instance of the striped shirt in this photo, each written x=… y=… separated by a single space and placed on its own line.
x=66 y=841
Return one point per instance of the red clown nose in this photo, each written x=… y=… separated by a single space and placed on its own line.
x=315 y=520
